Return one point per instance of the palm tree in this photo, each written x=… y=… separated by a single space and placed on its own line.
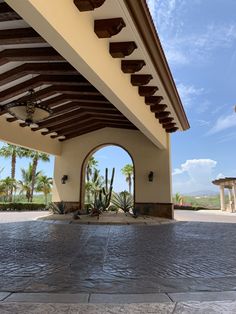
x=12 y=151
x=91 y=165
x=8 y=186
x=36 y=157
x=44 y=185
x=179 y=199
x=128 y=172
x=2 y=189
x=25 y=185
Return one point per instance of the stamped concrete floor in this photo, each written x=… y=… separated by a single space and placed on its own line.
x=42 y=257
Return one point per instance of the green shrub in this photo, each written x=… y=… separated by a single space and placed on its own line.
x=22 y=206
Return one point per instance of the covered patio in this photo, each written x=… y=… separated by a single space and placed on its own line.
x=99 y=69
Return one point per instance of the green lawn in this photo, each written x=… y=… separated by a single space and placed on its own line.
x=202 y=201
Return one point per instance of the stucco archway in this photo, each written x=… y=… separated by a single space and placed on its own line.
x=151 y=198
x=84 y=164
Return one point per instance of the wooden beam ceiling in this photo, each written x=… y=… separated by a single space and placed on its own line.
x=78 y=107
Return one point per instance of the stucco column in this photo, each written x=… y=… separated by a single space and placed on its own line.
x=230 y=200
x=234 y=196
x=222 y=197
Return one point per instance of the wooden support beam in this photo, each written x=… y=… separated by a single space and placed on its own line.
x=153 y=100
x=107 y=28
x=73 y=83
x=172 y=130
x=7 y=13
x=82 y=124
x=77 y=119
x=163 y=114
x=19 y=36
x=147 y=90
x=94 y=127
x=168 y=125
x=29 y=54
x=140 y=79
x=51 y=68
x=86 y=122
x=166 y=120
x=88 y=5
x=122 y=49
x=79 y=91
x=132 y=66
x=54 y=120
x=158 y=108
x=87 y=107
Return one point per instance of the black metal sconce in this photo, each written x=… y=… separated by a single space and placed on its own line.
x=64 y=179
x=150 y=176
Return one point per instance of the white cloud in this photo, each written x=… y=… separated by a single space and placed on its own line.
x=220 y=176
x=188 y=93
x=223 y=123
x=181 y=47
x=203 y=122
x=194 y=175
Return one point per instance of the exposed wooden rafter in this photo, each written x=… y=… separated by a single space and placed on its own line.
x=168 y=125
x=122 y=49
x=147 y=90
x=7 y=13
x=153 y=100
x=88 y=5
x=20 y=36
x=163 y=114
x=107 y=28
x=165 y=120
x=51 y=68
x=158 y=108
x=140 y=79
x=172 y=130
x=29 y=54
x=132 y=66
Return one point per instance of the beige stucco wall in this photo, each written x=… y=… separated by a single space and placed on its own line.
x=14 y=134
x=146 y=156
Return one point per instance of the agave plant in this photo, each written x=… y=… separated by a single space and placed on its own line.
x=58 y=208
x=123 y=200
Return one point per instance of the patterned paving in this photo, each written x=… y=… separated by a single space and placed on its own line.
x=42 y=257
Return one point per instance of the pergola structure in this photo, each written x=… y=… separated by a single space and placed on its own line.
x=100 y=67
x=230 y=184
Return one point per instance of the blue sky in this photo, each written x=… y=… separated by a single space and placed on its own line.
x=199 y=39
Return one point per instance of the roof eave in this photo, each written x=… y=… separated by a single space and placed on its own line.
x=142 y=18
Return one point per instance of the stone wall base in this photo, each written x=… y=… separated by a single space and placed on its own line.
x=164 y=210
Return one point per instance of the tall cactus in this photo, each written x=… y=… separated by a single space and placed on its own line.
x=105 y=193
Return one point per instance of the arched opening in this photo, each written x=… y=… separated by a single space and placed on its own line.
x=107 y=178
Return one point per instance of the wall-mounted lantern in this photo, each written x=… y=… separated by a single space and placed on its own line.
x=150 y=176
x=64 y=179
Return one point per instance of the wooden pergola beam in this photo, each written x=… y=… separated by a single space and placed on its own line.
x=29 y=54
x=72 y=83
x=51 y=68
x=7 y=13
x=19 y=36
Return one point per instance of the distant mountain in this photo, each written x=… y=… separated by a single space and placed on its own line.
x=202 y=193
